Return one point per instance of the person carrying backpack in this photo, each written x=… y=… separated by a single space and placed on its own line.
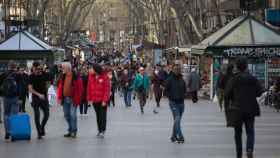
x=9 y=87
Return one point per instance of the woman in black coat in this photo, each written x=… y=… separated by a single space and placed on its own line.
x=158 y=83
x=242 y=107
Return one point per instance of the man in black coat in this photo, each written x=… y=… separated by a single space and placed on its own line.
x=176 y=90
x=241 y=93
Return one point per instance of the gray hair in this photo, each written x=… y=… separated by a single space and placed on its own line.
x=67 y=65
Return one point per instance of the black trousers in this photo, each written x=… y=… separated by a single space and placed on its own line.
x=84 y=108
x=112 y=97
x=249 y=123
x=43 y=105
x=22 y=106
x=194 y=96
x=101 y=116
x=158 y=94
x=142 y=97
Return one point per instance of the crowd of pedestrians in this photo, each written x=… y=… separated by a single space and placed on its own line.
x=91 y=84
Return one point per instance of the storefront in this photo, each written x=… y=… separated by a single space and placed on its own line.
x=182 y=54
x=25 y=48
x=246 y=37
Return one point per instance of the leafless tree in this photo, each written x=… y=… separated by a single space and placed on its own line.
x=36 y=8
x=189 y=19
x=157 y=10
x=70 y=16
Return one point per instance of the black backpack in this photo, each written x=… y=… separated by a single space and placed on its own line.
x=9 y=86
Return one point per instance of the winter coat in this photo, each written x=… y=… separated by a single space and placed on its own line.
x=158 y=81
x=241 y=92
x=99 y=88
x=194 y=82
x=139 y=81
x=224 y=80
x=77 y=89
x=176 y=88
x=126 y=79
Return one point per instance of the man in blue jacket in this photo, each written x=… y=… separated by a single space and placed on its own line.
x=141 y=85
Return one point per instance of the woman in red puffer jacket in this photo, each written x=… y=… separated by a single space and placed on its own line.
x=98 y=95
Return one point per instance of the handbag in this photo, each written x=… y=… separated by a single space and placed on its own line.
x=233 y=116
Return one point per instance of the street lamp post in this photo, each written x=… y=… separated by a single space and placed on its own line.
x=178 y=43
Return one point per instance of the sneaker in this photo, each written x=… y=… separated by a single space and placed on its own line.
x=7 y=136
x=74 y=135
x=173 y=139
x=180 y=140
x=39 y=137
x=155 y=112
x=98 y=134
x=102 y=135
x=68 y=135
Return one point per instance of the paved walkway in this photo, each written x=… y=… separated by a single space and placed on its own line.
x=131 y=135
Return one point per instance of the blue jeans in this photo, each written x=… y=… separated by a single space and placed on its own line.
x=177 y=112
x=11 y=107
x=127 y=97
x=249 y=123
x=70 y=114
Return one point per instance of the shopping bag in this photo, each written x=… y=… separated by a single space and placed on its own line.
x=215 y=99
x=52 y=96
x=30 y=97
